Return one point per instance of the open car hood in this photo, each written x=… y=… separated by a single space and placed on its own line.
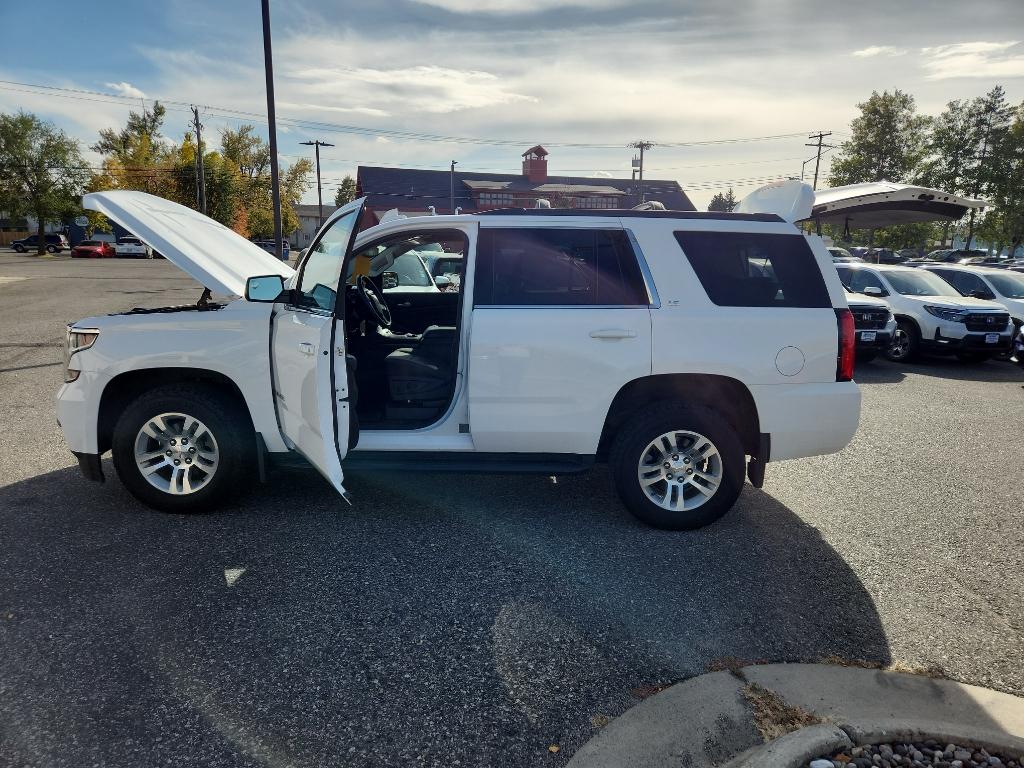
x=883 y=204
x=218 y=257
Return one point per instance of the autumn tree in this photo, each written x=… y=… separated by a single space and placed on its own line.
x=346 y=192
x=42 y=172
x=888 y=141
x=723 y=203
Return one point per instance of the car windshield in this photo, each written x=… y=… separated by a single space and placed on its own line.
x=1008 y=284
x=410 y=271
x=914 y=283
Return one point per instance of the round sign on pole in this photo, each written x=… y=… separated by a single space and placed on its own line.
x=82 y=221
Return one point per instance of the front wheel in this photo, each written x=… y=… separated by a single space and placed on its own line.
x=183 y=447
x=19 y=248
x=904 y=343
x=51 y=249
x=677 y=467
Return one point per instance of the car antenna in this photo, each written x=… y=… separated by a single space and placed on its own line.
x=204 y=299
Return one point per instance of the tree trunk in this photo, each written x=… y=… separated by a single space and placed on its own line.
x=41 y=230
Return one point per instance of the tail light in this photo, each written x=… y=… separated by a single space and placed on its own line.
x=847 y=345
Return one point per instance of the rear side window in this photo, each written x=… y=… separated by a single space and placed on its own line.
x=557 y=267
x=750 y=269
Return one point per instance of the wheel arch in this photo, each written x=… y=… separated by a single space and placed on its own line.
x=909 y=319
x=724 y=394
x=121 y=390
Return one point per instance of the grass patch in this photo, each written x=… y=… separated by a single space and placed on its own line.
x=773 y=716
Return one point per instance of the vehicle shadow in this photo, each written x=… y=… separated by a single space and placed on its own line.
x=472 y=618
x=951 y=368
x=878 y=372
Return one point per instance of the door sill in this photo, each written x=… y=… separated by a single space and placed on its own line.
x=464 y=461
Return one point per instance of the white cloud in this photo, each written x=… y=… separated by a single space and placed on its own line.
x=974 y=59
x=879 y=50
x=126 y=89
x=509 y=7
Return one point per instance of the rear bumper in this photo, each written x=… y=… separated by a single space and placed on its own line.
x=807 y=419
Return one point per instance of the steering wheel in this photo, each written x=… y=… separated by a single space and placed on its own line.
x=372 y=305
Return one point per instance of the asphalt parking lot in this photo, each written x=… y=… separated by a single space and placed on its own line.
x=470 y=620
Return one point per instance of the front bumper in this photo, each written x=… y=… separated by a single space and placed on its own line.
x=78 y=412
x=873 y=340
x=973 y=342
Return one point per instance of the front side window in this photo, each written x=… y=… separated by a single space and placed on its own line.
x=321 y=271
x=557 y=267
x=965 y=282
x=919 y=283
x=1009 y=284
x=755 y=269
x=412 y=260
x=860 y=279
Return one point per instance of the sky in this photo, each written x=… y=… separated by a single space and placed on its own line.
x=509 y=74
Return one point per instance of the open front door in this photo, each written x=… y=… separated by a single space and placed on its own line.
x=308 y=349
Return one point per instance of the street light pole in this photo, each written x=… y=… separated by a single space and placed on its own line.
x=642 y=145
x=275 y=182
x=451 y=184
x=319 y=192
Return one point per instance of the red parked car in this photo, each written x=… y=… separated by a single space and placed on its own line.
x=93 y=249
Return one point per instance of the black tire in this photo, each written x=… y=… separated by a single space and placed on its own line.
x=972 y=358
x=866 y=357
x=225 y=418
x=52 y=249
x=645 y=426
x=19 y=248
x=899 y=353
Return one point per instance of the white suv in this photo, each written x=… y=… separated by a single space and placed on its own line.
x=1001 y=286
x=930 y=315
x=669 y=345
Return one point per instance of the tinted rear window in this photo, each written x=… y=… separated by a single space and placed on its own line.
x=751 y=269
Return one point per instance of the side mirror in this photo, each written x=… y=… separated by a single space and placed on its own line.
x=266 y=288
x=389 y=280
x=442 y=282
x=873 y=290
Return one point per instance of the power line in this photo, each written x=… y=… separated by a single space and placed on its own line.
x=230 y=113
x=817 y=163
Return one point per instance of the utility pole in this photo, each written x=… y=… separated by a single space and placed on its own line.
x=642 y=145
x=817 y=163
x=319 y=194
x=200 y=170
x=451 y=184
x=275 y=182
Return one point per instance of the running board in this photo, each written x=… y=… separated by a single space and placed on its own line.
x=486 y=463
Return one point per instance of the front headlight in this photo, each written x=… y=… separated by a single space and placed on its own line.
x=945 y=313
x=77 y=340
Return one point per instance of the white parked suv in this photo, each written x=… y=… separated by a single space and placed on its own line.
x=930 y=315
x=1001 y=286
x=669 y=345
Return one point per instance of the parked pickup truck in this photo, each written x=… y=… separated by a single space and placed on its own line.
x=670 y=345
x=132 y=248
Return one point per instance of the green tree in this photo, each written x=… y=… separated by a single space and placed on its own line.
x=992 y=119
x=888 y=142
x=137 y=156
x=1004 y=223
x=42 y=172
x=346 y=192
x=724 y=203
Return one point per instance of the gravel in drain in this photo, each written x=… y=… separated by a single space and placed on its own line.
x=918 y=754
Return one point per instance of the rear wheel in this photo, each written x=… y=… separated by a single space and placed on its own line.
x=677 y=467
x=182 y=447
x=51 y=249
x=905 y=342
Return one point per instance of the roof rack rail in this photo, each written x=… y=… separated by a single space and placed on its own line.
x=630 y=213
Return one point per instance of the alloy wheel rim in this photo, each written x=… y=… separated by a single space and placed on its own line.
x=176 y=453
x=900 y=344
x=680 y=471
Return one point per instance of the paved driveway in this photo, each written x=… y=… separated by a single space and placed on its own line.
x=468 y=620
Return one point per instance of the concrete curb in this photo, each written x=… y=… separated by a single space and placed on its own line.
x=706 y=721
x=795 y=748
